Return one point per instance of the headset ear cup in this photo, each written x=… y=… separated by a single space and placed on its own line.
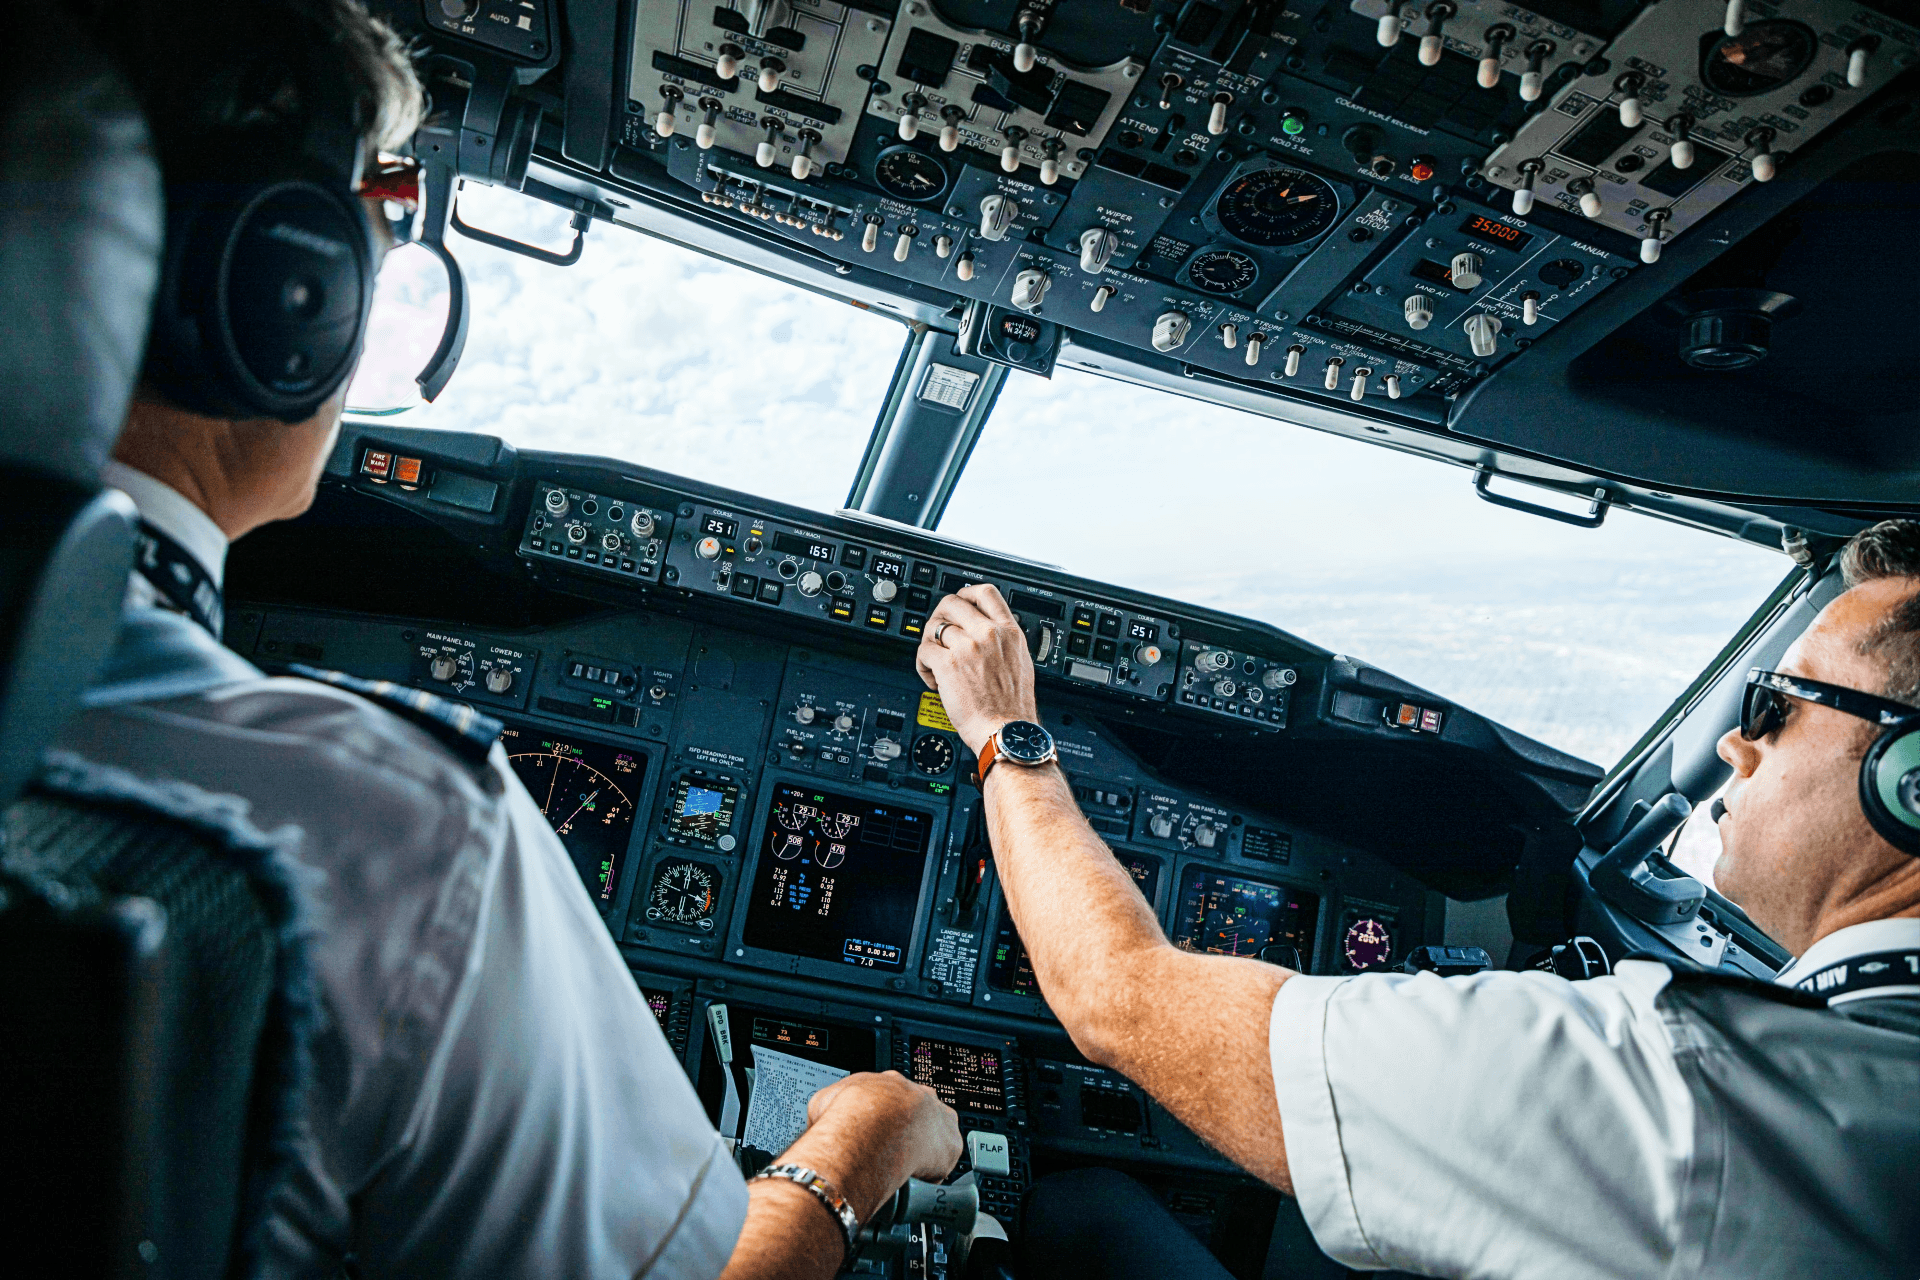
x=1890 y=785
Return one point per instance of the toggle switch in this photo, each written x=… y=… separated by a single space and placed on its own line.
x=1533 y=81
x=1656 y=232
x=1358 y=391
x=1024 y=54
x=1482 y=330
x=1681 y=153
x=663 y=123
x=1387 y=30
x=1736 y=21
x=1010 y=154
x=910 y=116
x=1432 y=43
x=1419 y=311
x=1629 y=84
x=769 y=148
x=1170 y=330
x=770 y=69
x=703 y=136
x=1858 y=55
x=1393 y=386
x=1100 y=297
x=1030 y=289
x=963 y=266
x=1523 y=194
x=726 y=64
x=1050 y=161
x=803 y=158
x=996 y=215
x=1255 y=341
x=950 y=117
x=1294 y=353
x=1217 y=114
x=903 y=243
x=1097 y=246
x=1168 y=83
x=870 y=238
x=1497 y=36
x=1530 y=307
x=1465 y=270
x=1230 y=335
x=943 y=246
x=1763 y=163
x=1589 y=198
x=1333 y=372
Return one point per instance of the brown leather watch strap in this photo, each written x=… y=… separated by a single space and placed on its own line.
x=989 y=752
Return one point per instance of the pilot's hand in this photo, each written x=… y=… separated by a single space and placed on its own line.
x=903 y=1123
x=974 y=654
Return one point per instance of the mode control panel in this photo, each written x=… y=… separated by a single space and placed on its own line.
x=838 y=726
x=1244 y=686
x=613 y=535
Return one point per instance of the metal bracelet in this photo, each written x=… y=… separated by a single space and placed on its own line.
x=823 y=1191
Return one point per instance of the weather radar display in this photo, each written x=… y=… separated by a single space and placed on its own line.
x=587 y=790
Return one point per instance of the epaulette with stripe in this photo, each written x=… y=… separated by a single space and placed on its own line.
x=466 y=732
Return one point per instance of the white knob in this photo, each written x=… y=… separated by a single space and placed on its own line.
x=556 y=503
x=1100 y=297
x=765 y=154
x=1229 y=335
x=1010 y=158
x=1857 y=57
x=1682 y=154
x=885 y=749
x=1293 y=359
x=499 y=679
x=810 y=583
x=1466 y=270
x=1590 y=203
x=1630 y=116
x=964 y=267
x=1170 y=330
x=909 y=125
x=1030 y=288
x=943 y=246
x=1097 y=246
x=1358 y=391
x=1522 y=201
x=1489 y=77
x=1736 y=17
x=1419 y=311
x=770 y=69
x=641 y=524
x=1225 y=687
x=843 y=723
x=996 y=215
x=1148 y=655
x=804 y=713
x=1529 y=307
x=1217 y=117
x=443 y=667
x=727 y=65
x=1482 y=329
x=1024 y=57
x=663 y=123
x=902 y=245
x=1255 y=341
x=707 y=548
x=1387 y=30
x=1050 y=170
x=1430 y=46
x=949 y=137
x=1393 y=393
x=1650 y=250
x=1278 y=677
x=703 y=137
x=885 y=589
x=1531 y=83
x=1656 y=232
x=1764 y=167
x=1332 y=379
x=870 y=238
x=1206 y=833
x=802 y=167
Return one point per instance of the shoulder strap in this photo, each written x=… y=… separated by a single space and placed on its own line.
x=466 y=732
x=1687 y=974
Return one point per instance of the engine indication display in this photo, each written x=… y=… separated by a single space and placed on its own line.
x=966 y=1078
x=1271 y=208
x=586 y=789
x=838 y=879
x=684 y=892
x=1231 y=916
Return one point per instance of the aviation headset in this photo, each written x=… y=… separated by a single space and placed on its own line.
x=1890 y=785
x=269 y=264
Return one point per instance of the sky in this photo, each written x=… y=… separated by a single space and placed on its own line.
x=653 y=354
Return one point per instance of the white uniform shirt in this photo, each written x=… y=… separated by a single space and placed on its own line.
x=491 y=1094
x=1497 y=1125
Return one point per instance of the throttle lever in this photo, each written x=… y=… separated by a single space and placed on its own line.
x=1623 y=878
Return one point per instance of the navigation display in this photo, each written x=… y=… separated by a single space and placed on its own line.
x=587 y=791
x=1229 y=916
x=1010 y=970
x=838 y=879
x=966 y=1078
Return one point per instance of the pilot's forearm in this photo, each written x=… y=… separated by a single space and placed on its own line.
x=789 y=1235
x=1087 y=930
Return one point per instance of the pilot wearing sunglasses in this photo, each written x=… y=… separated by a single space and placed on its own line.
x=1653 y=1122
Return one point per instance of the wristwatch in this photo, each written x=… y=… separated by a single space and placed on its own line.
x=1020 y=742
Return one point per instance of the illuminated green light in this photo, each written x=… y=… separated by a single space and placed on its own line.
x=1293 y=125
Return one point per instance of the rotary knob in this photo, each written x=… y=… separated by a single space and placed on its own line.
x=810 y=583
x=1030 y=289
x=1213 y=660
x=707 y=548
x=885 y=590
x=843 y=723
x=1161 y=825
x=804 y=713
x=641 y=524
x=1097 y=246
x=1279 y=677
x=443 y=667
x=885 y=749
x=556 y=503
x=1205 y=835
x=1465 y=270
x=1224 y=688
x=1482 y=330
x=499 y=679
x=1147 y=655
x=1170 y=330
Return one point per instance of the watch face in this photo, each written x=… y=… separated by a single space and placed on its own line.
x=1022 y=740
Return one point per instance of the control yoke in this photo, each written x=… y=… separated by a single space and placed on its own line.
x=1624 y=879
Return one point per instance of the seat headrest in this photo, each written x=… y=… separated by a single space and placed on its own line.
x=81 y=213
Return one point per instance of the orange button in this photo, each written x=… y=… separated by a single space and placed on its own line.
x=406 y=470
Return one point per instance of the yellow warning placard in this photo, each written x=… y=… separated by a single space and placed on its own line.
x=932 y=714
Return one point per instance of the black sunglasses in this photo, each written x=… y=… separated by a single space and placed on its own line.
x=1764 y=706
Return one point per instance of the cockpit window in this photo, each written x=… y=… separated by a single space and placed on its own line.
x=1578 y=637
x=643 y=351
